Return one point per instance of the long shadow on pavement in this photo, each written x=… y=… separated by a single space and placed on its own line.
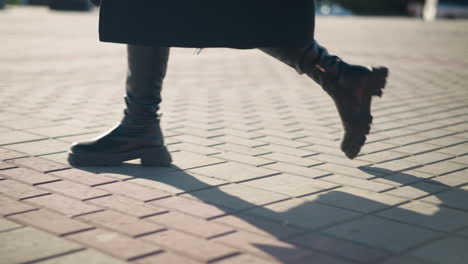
x=356 y=234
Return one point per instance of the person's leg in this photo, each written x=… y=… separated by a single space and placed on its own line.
x=139 y=135
x=350 y=86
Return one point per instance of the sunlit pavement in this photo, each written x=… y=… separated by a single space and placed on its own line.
x=258 y=176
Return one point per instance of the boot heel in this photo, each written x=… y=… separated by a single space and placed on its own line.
x=155 y=157
x=378 y=80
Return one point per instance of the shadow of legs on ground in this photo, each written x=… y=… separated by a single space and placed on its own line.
x=354 y=224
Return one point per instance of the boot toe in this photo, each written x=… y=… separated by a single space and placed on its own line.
x=81 y=147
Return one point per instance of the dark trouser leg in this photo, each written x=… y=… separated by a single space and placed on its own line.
x=350 y=86
x=139 y=135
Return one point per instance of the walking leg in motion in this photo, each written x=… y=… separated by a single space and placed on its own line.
x=138 y=136
x=350 y=86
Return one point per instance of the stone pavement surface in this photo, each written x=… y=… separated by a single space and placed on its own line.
x=258 y=176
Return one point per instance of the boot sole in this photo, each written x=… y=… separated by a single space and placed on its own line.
x=153 y=157
x=374 y=85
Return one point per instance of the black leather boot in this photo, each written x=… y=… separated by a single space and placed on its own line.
x=350 y=86
x=138 y=136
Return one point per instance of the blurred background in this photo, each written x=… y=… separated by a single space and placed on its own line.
x=427 y=9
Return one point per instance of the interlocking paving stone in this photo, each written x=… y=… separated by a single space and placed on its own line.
x=236 y=196
x=61 y=157
x=455 y=198
x=381 y=233
x=60 y=131
x=441 y=168
x=38 y=164
x=303 y=213
x=20 y=190
x=62 y=204
x=166 y=257
x=191 y=225
x=345 y=170
x=339 y=160
x=451 y=250
x=449 y=139
x=357 y=183
x=115 y=244
x=291 y=159
x=383 y=156
x=233 y=171
x=9 y=206
x=74 y=190
x=178 y=182
x=297 y=170
x=190 y=206
x=322 y=258
x=265 y=247
x=132 y=190
x=259 y=226
x=23 y=123
x=404 y=178
x=429 y=215
x=191 y=246
x=6 y=154
x=87 y=256
x=188 y=160
x=340 y=247
x=119 y=222
x=5 y=166
x=290 y=185
x=407 y=260
x=464 y=232
x=196 y=140
x=398 y=165
x=83 y=177
x=27 y=244
x=244 y=258
x=6 y=225
x=461 y=160
x=285 y=150
x=50 y=221
x=427 y=158
x=456 y=150
x=28 y=176
x=231 y=139
x=193 y=148
x=127 y=205
x=16 y=136
x=417 y=190
x=454 y=179
x=40 y=147
x=242 y=158
x=417 y=148
x=356 y=199
x=241 y=149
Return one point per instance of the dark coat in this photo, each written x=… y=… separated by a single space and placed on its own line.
x=208 y=23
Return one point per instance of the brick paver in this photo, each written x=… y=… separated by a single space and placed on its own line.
x=258 y=176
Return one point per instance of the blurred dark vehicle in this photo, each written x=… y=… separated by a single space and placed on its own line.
x=375 y=7
x=327 y=8
x=82 y=5
x=79 y=5
x=38 y=2
x=445 y=9
x=2 y=4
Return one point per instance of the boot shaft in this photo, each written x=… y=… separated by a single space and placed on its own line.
x=147 y=67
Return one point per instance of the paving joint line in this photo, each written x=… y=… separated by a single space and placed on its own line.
x=55 y=256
